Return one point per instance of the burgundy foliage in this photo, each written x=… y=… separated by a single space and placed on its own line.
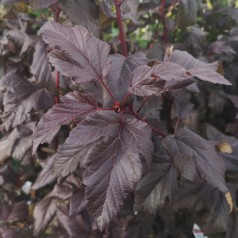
x=136 y=145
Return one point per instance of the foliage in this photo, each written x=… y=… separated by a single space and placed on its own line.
x=143 y=145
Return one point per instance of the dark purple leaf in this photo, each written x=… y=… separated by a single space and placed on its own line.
x=74 y=107
x=157 y=185
x=110 y=146
x=75 y=226
x=76 y=53
x=118 y=78
x=8 y=233
x=38 y=4
x=232 y=226
x=11 y=145
x=20 y=98
x=231 y=159
x=8 y=175
x=40 y=65
x=181 y=104
x=187 y=12
x=216 y=221
x=45 y=210
x=147 y=81
x=77 y=202
x=203 y=71
x=196 y=158
x=46 y=175
x=129 y=9
x=14 y=212
x=82 y=12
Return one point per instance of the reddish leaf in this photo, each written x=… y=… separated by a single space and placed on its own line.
x=84 y=13
x=196 y=157
x=11 y=145
x=231 y=159
x=46 y=175
x=232 y=226
x=76 y=53
x=118 y=77
x=147 y=81
x=20 y=98
x=74 y=226
x=74 y=107
x=112 y=163
x=129 y=9
x=157 y=185
x=14 y=212
x=40 y=65
x=45 y=210
x=203 y=71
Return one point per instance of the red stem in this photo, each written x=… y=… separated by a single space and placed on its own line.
x=108 y=90
x=117 y=4
x=165 y=30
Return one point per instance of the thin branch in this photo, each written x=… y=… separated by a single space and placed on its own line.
x=57 y=82
x=117 y=4
x=108 y=90
x=143 y=104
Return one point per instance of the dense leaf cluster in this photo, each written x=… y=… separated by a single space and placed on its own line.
x=123 y=154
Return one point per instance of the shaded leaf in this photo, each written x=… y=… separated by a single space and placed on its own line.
x=40 y=65
x=128 y=8
x=20 y=98
x=118 y=77
x=74 y=107
x=232 y=226
x=203 y=71
x=77 y=202
x=196 y=157
x=74 y=226
x=82 y=12
x=147 y=81
x=76 y=53
x=45 y=210
x=14 y=212
x=46 y=175
x=113 y=162
x=231 y=160
x=11 y=144
x=216 y=221
x=187 y=12
x=157 y=185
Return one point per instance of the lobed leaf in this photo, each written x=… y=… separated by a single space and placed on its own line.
x=157 y=185
x=46 y=175
x=74 y=107
x=122 y=67
x=76 y=53
x=40 y=65
x=147 y=81
x=196 y=158
x=20 y=98
x=203 y=71
x=46 y=209
x=109 y=146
